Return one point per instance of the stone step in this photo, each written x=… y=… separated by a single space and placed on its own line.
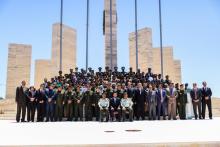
x=7 y=118
x=8 y=115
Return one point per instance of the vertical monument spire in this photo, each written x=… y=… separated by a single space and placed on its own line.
x=110 y=32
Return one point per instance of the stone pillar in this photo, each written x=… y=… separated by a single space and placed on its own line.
x=107 y=33
x=69 y=48
x=43 y=69
x=145 y=53
x=19 y=67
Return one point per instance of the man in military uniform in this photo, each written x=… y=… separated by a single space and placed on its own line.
x=178 y=91
x=126 y=104
x=167 y=80
x=104 y=107
x=59 y=104
x=87 y=100
x=109 y=91
x=78 y=105
x=119 y=91
x=95 y=98
x=69 y=101
x=181 y=102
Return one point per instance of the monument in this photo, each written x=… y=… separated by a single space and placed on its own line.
x=110 y=51
x=149 y=57
x=19 y=67
x=49 y=68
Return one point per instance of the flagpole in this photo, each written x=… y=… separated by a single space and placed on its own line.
x=136 y=35
x=161 y=39
x=61 y=33
x=111 y=32
x=87 y=35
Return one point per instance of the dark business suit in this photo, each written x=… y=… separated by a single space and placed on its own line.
x=161 y=103
x=41 y=105
x=31 y=106
x=21 y=99
x=139 y=100
x=115 y=106
x=196 y=100
x=50 y=95
x=206 y=100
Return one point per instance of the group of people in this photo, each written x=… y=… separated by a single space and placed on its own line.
x=111 y=96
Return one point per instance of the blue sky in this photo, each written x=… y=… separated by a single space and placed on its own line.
x=191 y=27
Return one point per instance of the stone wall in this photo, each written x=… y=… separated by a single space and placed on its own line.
x=68 y=47
x=49 y=68
x=145 y=53
x=19 y=67
x=149 y=57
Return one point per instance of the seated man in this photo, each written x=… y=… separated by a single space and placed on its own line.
x=126 y=104
x=115 y=107
x=103 y=105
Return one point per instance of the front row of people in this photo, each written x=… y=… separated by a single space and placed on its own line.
x=55 y=104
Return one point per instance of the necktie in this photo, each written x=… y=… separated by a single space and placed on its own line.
x=195 y=94
x=151 y=96
x=171 y=91
x=161 y=93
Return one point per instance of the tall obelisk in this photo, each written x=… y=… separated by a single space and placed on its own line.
x=110 y=32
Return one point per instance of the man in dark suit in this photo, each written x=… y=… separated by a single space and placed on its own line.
x=206 y=100
x=115 y=107
x=21 y=99
x=41 y=103
x=31 y=104
x=161 y=102
x=50 y=96
x=196 y=100
x=140 y=101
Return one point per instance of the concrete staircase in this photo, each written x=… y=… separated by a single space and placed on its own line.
x=216 y=107
x=7 y=109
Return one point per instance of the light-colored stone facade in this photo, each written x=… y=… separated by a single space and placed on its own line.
x=50 y=68
x=43 y=69
x=149 y=57
x=145 y=54
x=68 y=47
x=107 y=33
x=171 y=67
x=19 y=67
x=178 y=75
